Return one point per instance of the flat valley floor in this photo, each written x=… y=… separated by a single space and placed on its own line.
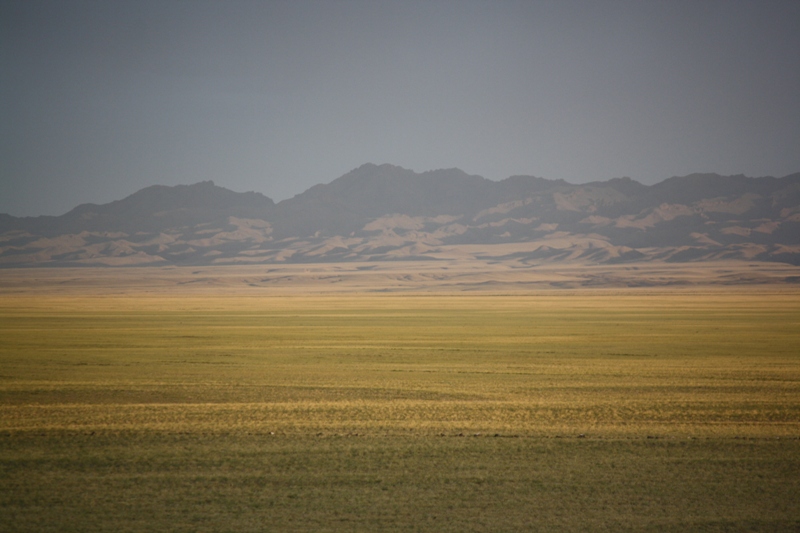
x=390 y=397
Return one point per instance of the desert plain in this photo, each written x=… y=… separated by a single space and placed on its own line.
x=405 y=396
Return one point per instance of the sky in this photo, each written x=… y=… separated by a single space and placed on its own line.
x=99 y=99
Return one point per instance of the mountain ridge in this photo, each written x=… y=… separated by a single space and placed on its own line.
x=388 y=213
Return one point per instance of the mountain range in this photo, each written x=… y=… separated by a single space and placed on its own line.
x=388 y=213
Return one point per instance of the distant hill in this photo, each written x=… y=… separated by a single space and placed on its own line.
x=387 y=213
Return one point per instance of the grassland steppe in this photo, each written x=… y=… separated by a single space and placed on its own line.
x=211 y=407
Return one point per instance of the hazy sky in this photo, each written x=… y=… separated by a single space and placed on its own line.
x=102 y=98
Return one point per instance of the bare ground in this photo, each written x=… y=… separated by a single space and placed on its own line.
x=402 y=276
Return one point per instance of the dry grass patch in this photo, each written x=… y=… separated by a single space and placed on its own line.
x=596 y=410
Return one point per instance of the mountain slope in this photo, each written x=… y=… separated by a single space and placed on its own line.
x=380 y=213
x=371 y=191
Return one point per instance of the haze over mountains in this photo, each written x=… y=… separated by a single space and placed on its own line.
x=387 y=213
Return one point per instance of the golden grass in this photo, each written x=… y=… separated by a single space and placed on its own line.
x=599 y=363
x=601 y=410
